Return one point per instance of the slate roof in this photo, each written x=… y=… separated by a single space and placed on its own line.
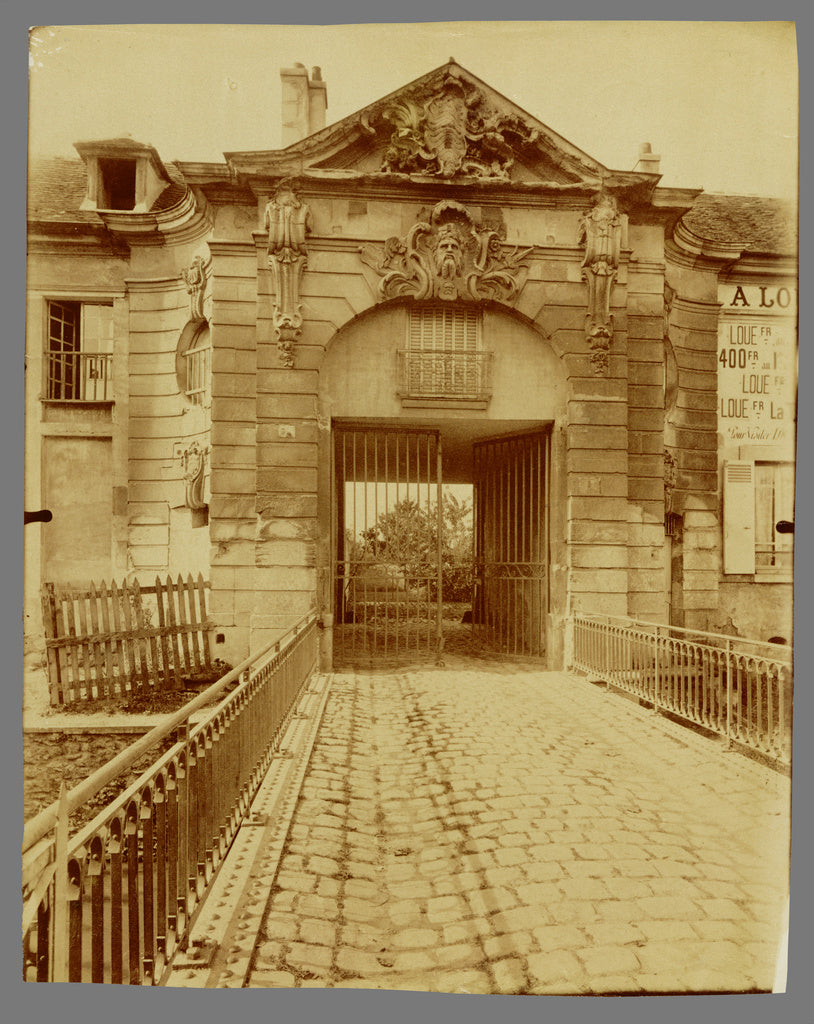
x=754 y=223
x=57 y=186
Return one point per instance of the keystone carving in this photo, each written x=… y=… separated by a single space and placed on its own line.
x=287 y=220
x=601 y=232
x=193 y=462
x=448 y=257
x=451 y=130
x=195 y=280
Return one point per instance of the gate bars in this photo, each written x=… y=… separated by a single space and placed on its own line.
x=388 y=535
x=738 y=688
x=510 y=600
x=114 y=902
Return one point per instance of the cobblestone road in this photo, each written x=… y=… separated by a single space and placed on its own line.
x=507 y=831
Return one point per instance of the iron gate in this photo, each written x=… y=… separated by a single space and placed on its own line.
x=387 y=525
x=510 y=600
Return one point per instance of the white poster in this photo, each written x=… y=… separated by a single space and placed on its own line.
x=757 y=366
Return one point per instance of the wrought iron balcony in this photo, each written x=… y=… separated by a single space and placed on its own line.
x=465 y=376
x=80 y=376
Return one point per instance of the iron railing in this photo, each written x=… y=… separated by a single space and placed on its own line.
x=80 y=376
x=738 y=688
x=115 y=901
x=445 y=374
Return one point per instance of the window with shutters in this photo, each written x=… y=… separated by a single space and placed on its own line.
x=444 y=357
x=757 y=497
x=79 y=356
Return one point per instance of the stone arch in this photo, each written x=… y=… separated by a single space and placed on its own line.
x=358 y=382
x=528 y=363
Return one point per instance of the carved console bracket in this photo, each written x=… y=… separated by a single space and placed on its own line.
x=287 y=220
x=601 y=232
x=195 y=278
x=193 y=463
x=670 y=478
x=673 y=521
x=448 y=257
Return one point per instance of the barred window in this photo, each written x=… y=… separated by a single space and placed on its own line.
x=80 y=352
x=198 y=360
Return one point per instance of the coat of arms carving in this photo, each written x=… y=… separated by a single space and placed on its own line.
x=451 y=131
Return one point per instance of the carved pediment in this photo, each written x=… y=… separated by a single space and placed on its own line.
x=447 y=257
x=449 y=125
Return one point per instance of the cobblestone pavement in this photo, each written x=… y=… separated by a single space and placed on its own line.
x=501 y=830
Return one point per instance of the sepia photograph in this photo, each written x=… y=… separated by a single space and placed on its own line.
x=410 y=447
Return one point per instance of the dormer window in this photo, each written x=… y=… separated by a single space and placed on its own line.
x=117 y=184
x=123 y=175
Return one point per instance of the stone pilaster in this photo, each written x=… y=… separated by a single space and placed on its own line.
x=286 y=498
x=232 y=514
x=648 y=573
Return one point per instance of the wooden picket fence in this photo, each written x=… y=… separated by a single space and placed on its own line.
x=114 y=640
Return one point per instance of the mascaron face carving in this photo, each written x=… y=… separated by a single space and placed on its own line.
x=448 y=257
x=450 y=131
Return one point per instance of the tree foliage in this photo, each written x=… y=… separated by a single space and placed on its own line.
x=406 y=536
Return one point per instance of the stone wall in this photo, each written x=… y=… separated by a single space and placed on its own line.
x=647 y=596
x=757 y=610
x=159 y=421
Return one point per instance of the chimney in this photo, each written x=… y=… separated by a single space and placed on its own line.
x=647 y=163
x=305 y=101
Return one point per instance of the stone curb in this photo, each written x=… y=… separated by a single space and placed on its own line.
x=224 y=935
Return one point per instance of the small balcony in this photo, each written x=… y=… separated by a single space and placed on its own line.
x=80 y=377
x=445 y=378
